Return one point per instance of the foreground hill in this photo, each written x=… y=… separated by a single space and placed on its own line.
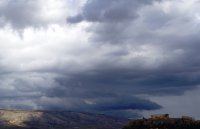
x=164 y=122
x=18 y=119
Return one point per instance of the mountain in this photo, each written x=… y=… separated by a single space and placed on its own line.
x=164 y=122
x=23 y=119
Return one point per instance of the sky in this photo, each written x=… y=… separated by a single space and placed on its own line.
x=125 y=58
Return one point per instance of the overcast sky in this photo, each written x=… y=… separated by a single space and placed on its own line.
x=125 y=58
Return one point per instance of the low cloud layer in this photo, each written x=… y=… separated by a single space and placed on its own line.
x=101 y=56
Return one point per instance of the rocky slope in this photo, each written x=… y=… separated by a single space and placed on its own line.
x=15 y=119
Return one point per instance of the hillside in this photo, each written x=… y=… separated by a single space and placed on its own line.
x=164 y=122
x=20 y=119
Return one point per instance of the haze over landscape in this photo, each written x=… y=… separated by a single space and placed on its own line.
x=123 y=58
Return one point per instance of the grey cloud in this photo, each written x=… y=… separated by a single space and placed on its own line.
x=114 y=82
x=157 y=28
x=109 y=105
x=109 y=10
x=126 y=103
x=181 y=104
x=20 y=14
x=22 y=90
x=113 y=16
x=75 y=19
x=124 y=113
x=135 y=48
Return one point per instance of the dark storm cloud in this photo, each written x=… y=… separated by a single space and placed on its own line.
x=143 y=25
x=109 y=10
x=115 y=83
x=134 y=48
x=109 y=104
x=106 y=105
x=126 y=103
x=114 y=17
x=111 y=90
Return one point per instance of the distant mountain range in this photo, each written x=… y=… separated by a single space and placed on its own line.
x=22 y=119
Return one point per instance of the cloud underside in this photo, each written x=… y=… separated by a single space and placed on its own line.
x=104 y=56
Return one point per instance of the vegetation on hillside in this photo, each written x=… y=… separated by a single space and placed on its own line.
x=163 y=122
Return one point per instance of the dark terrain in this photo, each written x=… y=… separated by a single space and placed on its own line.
x=164 y=122
x=20 y=119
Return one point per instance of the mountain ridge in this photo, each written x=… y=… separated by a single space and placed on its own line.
x=37 y=119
